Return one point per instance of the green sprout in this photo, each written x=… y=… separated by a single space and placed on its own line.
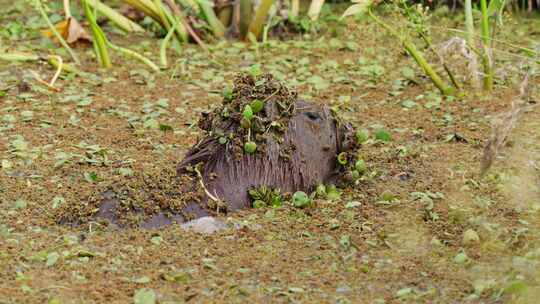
x=301 y=199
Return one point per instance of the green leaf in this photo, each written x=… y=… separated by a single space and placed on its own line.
x=250 y=147
x=496 y=7
x=332 y=193
x=85 y=102
x=54 y=301
x=255 y=70
x=57 y=201
x=141 y=280
x=90 y=177
x=20 y=204
x=515 y=287
x=318 y=82
x=409 y=104
x=227 y=94
x=383 y=135
x=345 y=241
x=342 y=158
x=248 y=112
x=404 y=292
x=407 y=73
x=301 y=199
x=165 y=128
x=257 y=105
x=163 y=103
x=353 y=204
x=125 y=172
x=156 y=240
x=151 y=124
x=20 y=144
x=52 y=258
x=27 y=115
x=387 y=196
x=360 y=166
x=360 y=7
x=362 y=136
x=8 y=118
x=461 y=258
x=296 y=289
x=144 y=296
x=6 y=164
x=259 y=204
x=181 y=277
x=321 y=191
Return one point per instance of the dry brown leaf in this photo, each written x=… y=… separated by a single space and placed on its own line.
x=70 y=29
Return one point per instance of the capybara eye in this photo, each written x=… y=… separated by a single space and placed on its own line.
x=313 y=115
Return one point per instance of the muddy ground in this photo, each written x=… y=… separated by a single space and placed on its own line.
x=397 y=236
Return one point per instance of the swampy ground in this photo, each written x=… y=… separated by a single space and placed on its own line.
x=57 y=148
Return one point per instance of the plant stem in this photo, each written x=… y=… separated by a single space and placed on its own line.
x=225 y=15
x=163 y=47
x=257 y=23
x=117 y=19
x=135 y=55
x=99 y=41
x=147 y=7
x=417 y=55
x=295 y=8
x=445 y=66
x=469 y=27
x=161 y=13
x=52 y=60
x=56 y=33
x=315 y=9
x=422 y=62
x=98 y=33
x=18 y=57
x=179 y=17
x=486 y=61
x=67 y=11
x=469 y=23
x=215 y=24
x=245 y=15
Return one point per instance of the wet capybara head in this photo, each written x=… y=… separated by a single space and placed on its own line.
x=261 y=135
x=304 y=156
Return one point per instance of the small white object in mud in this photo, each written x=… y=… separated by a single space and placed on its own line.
x=205 y=225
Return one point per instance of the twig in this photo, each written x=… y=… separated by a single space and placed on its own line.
x=58 y=71
x=43 y=82
x=50 y=84
x=212 y=197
